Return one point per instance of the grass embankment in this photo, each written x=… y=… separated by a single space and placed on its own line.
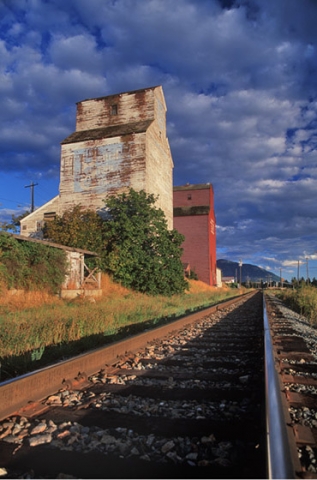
x=37 y=329
x=302 y=300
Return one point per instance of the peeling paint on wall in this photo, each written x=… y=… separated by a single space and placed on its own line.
x=120 y=143
x=93 y=165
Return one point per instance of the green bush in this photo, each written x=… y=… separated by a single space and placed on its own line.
x=78 y=228
x=133 y=243
x=13 y=261
x=141 y=252
x=31 y=266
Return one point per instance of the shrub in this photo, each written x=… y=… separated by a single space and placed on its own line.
x=31 y=266
x=13 y=260
x=141 y=252
x=78 y=228
x=134 y=243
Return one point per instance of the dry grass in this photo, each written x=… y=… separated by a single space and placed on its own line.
x=18 y=300
x=32 y=323
x=196 y=286
x=110 y=288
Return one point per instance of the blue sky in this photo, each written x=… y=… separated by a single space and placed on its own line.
x=240 y=82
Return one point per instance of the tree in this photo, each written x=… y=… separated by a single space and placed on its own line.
x=134 y=243
x=14 y=226
x=78 y=228
x=314 y=282
x=141 y=252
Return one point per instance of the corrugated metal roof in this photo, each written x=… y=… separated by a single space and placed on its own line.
x=108 y=132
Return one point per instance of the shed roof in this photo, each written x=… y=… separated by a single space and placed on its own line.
x=52 y=244
x=108 y=132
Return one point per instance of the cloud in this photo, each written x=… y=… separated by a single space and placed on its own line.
x=77 y=53
x=239 y=79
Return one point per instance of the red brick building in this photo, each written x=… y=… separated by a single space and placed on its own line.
x=194 y=217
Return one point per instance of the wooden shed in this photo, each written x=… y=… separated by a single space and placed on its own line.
x=80 y=279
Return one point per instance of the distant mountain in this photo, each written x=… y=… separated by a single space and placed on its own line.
x=249 y=272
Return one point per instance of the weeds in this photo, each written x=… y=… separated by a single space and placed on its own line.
x=41 y=328
x=302 y=300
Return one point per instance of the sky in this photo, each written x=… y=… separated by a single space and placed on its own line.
x=240 y=84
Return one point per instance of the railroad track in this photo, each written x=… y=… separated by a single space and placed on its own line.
x=294 y=347
x=184 y=405
x=185 y=401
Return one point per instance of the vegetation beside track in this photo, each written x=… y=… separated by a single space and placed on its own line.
x=30 y=266
x=37 y=328
x=302 y=300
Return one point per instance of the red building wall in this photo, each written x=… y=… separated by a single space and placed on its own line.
x=194 y=217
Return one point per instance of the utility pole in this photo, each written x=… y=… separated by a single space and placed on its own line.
x=32 y=185
x=240 y=265
x=307 y=276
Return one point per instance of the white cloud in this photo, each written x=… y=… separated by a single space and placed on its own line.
x=240 y=86
x=76 y=53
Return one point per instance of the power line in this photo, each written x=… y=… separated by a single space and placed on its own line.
x=13 y=201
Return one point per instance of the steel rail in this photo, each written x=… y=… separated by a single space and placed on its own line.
x=73 y=373
x=280 y=462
